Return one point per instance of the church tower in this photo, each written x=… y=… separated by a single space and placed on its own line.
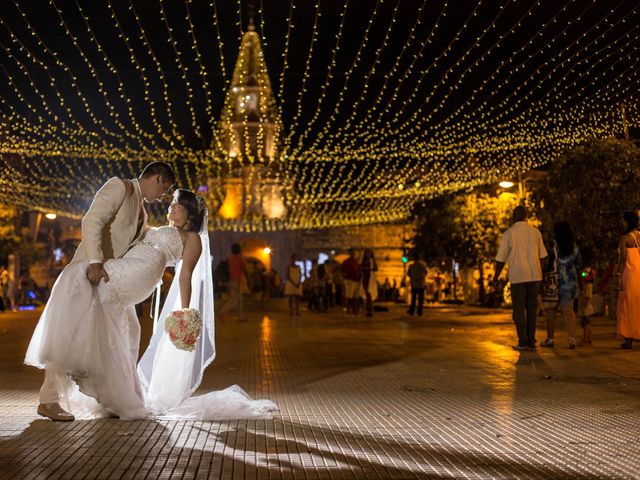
x=250 y=124
x=247 y=142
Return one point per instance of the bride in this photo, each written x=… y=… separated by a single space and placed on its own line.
x=92 y=333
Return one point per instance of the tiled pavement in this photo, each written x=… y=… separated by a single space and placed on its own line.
x=392 y=398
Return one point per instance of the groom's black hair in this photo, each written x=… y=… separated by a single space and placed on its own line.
x=159 y=168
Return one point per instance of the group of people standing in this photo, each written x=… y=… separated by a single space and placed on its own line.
x=347 y=283
x=15 y=292
x=559 y=267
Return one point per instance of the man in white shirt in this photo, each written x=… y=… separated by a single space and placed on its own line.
x=522 y=248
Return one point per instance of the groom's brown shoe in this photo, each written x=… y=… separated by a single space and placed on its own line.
x=54 y=412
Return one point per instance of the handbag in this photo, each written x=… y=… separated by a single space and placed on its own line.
x=550 y=296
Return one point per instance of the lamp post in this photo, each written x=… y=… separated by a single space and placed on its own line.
x=520 y=188
x=507 y=184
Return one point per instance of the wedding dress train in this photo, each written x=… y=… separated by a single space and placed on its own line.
x=92 y=334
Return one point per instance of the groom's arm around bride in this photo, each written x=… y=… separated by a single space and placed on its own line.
x=116 y=219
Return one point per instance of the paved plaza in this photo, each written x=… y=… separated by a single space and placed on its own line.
x=394 y=397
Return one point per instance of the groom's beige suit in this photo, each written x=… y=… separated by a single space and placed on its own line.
x=114 y=223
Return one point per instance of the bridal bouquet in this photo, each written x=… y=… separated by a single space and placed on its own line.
x=184 y=327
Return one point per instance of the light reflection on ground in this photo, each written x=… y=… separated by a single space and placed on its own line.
x=389 y=397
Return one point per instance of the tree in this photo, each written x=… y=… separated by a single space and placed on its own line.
x=14 y=240
x=8 y=232
x=465 y=228
x=590 y=187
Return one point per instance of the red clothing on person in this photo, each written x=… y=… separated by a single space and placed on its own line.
x=351 y=270
x=236 y=267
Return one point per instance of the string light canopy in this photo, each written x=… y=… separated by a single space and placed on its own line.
x=363 y=108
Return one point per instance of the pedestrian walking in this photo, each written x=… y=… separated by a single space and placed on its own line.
x=352 y=276
x=586 y=309
x=4 y=288
x=237 y=274
x=338 y=282
x=311 y=286
x=293 y=287
x=568 y=264
x=417 y=273
x=369 y=267
x=319 y=285
x=328 y=291
x=521 y=247
x=628 y=325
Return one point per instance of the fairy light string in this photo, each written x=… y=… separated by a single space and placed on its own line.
x=501 y=88
x=479 y=115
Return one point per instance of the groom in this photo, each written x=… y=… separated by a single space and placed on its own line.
x=115 y=222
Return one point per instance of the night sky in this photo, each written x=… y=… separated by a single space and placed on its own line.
x=409 y=81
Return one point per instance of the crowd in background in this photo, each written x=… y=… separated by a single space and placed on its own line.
x=553 y=279
x=19 y=292
x=349 y=284
x=548 y=279
x=352 y=285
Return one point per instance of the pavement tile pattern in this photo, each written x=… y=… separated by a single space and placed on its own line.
x=394 y=397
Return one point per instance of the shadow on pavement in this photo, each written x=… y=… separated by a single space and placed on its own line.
x=238 y=449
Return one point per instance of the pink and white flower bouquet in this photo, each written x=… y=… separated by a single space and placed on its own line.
x=184 y=328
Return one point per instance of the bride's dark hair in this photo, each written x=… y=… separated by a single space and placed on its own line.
x=195 y=207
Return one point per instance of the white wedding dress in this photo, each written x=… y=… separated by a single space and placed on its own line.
x=93 y=334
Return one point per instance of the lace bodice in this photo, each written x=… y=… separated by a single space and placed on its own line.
x=165 y=239
x=133 y=277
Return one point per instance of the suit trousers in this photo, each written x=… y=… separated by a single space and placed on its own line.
x=524 y=297
x=54 y=381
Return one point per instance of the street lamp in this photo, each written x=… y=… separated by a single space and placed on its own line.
x=507 y=184
x=50 y=216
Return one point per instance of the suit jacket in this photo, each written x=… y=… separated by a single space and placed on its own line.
x=112 y=225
